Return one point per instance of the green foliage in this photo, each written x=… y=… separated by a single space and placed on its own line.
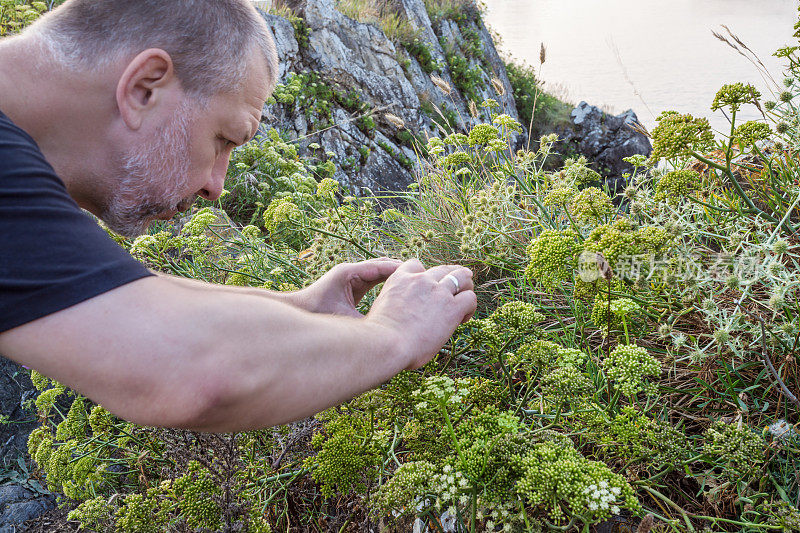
x=565 y=483
x=750 y=133
x=576 y=174
x=628 y=366
x=457 y=10
x=194 y=491
x=591 y=206
x=15 y=15
x=732 y=96
x=394 y=25
x=301 y=31
x=538 y=109
x=270 y=168
x=552 y=257
x=421 y=51
x=307 y=93
x=679 y=135
x=350 y=450
x=468 y=78
x=366 y=124
x=738 y=451
x=472 y=44
x=445 y=119
x=677 y=184
x=623 y=239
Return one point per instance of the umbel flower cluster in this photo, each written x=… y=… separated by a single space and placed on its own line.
x=737 y=447
x=679 y=135
x=629 y=365
x=553 y=254
x=677 y=184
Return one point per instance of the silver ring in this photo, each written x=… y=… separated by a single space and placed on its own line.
x=455 y=282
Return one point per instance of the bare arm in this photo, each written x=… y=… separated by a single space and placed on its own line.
x=338 y=292
x=164 y=352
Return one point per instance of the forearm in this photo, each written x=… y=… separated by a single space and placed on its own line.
x=274 y=363
x=293 y=298
x=167 y=353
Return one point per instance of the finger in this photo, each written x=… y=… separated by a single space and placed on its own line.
x=440 y=271
x=463 y=277
x=412 y=266
x=466 y=303
x=367 y=274
x=375 y=269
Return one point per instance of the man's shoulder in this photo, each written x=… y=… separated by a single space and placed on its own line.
x=24 y=168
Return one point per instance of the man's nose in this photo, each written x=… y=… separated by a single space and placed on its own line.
x=216 y=182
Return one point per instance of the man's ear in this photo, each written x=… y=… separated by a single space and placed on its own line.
x=143 y=85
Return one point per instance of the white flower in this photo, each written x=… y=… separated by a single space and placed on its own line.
x=615 y=509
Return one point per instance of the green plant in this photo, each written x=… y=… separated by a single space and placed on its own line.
x=15 y=15
x=453 y=9
x=302 y=32
x=537 y=108
x=421 y=51
x=467 y=78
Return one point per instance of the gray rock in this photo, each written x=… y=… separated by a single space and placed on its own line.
x=18 y=513
x=605 y=140
x=18 y=505
x=359 y=57
x=15 y=389
x=13 y=493
x=285 y=42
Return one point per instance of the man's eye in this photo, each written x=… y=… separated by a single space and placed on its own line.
x=227 y=142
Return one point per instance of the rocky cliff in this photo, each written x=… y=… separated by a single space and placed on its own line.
x=366 y=102
x=345 y=84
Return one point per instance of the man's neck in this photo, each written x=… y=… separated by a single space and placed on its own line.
x=57 y=109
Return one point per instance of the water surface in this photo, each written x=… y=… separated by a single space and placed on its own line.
x=649 y=55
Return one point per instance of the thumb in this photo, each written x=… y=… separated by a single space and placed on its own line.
x=367 y=274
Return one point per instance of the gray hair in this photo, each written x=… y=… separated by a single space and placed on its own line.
x=210 y=41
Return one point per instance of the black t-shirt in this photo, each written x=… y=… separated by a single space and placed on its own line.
x=52 y=254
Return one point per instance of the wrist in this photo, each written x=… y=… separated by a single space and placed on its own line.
x=391 y=342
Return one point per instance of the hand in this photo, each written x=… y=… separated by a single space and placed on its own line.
x=421 y=308
x=340 y=290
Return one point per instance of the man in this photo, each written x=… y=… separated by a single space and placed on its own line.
x=130 y=110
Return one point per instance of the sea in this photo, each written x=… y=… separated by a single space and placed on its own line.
x=648 y=55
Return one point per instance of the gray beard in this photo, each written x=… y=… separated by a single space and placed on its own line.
x=151 y=179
